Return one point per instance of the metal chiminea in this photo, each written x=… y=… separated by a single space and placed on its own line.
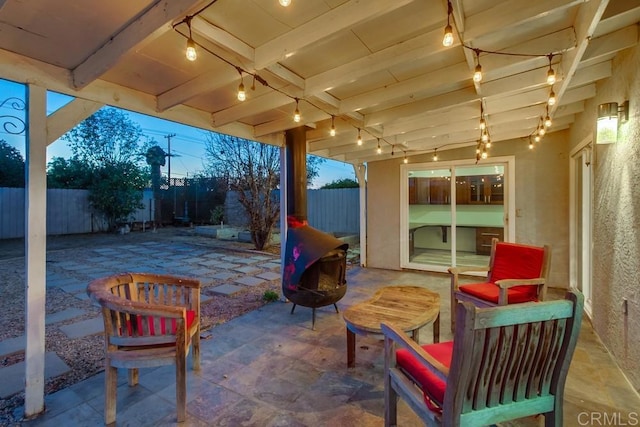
x=315 y=262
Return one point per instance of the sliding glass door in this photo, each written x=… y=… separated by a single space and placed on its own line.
x=451 y=213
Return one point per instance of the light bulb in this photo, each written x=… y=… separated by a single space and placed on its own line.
x=296 y=116
x=488 y=144
x=477 y=75
x=332 y=131
x=551 y=76
x=530 y=145
x=552 y=98
x=242 y=95
x=537 y=138
x=191 y=53
x=484 y=137
x=405 y=159
x=359 y=140
x=485 y=154
x=547 y=121
x=435 y=157
x=379 y=150
x=447 y=40
x=285 y=3
x=542 y=131
x=483 y=124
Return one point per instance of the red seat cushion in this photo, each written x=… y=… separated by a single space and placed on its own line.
x=191 y=315
x=432 y=386
x=491 y=292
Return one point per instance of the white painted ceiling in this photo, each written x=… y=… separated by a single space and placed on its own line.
x=375 y=65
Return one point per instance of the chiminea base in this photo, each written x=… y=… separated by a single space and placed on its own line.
x=313 y=315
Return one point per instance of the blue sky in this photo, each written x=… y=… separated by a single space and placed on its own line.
x=187 y=145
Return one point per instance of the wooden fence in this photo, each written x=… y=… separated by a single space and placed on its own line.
x=69 y=212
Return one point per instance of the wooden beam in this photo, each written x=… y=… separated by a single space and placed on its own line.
x=68 y=116
x=36 y=249
x=609 y=44
x=592 y=73
x=586 y=21
x=338 y=19
x=520 y=12
x=146 y=28
x=410 y=50
x=204 y=83
x=255 y=105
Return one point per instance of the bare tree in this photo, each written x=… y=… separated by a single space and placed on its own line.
x=253 y=171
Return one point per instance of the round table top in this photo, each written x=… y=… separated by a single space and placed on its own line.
x=407 y=307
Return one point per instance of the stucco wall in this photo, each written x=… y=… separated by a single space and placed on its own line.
x=542 y=201
x=616 y=242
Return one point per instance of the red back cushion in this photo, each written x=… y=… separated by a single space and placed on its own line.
x=514 y=261
x=191 y=315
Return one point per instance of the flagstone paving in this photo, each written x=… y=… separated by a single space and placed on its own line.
x=220 y=273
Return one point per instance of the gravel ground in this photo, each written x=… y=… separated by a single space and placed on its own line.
x=85 y=355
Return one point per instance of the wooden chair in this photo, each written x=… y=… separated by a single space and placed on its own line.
x=516 y=273
x=149 y=320
x=504 y=363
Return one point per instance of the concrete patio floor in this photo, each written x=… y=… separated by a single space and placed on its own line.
x=269 y=368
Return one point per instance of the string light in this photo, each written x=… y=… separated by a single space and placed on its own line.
x=537 y=138
x=542 y=130
x=332 y=131
x=242 y=95
x=284 y=3
x=296 y=114
x=551 y=75
x=547 y=121
x=191 y=53
x=379 y=149
x=488 y=144
x=447 y=40
x=405 y=160
x=359 y=138
x=530 y=144
x=485 y=136
x=477 y=75
x=552 y=98
x=484 y=153
x=435 y=154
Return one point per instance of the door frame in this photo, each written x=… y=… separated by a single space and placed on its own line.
x=509 y=163
x=574 y=252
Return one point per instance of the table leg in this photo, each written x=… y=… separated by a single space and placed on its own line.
x=436 y=329
x=351 y=348
x=415 y=335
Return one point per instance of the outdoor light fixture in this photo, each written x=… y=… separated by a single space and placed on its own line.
x=447 y=40
x=379 y=149
x=332 y=131
x=607 y=125
x=359 y=141
x=435 y=155
x=285 y=3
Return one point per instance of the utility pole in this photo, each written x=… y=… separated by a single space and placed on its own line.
x=169 y=136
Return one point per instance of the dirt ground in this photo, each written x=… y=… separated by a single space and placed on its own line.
x=85 y=356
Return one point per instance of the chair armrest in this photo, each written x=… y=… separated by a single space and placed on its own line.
x=508 y=283
x=115 y=303
x=465 y=269
x=398 y=337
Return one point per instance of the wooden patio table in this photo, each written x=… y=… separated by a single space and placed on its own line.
x=407 y=307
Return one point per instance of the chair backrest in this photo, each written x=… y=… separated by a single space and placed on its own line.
x=518 y=261
x=510 y=361
x=145 y=309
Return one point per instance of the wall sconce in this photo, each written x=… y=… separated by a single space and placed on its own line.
x=608 y=116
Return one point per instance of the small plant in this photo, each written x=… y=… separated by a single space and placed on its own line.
x=270 y=296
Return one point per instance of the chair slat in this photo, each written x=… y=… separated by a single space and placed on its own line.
x=500 y=365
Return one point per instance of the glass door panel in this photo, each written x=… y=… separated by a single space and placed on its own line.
x=429 y=218
x=479 y=212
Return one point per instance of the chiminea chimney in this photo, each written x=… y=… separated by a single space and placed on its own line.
x=296 y=157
